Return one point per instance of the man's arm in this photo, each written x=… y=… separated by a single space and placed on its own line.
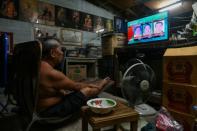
x=61 y=81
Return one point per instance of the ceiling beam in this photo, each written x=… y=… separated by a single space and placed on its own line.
x=106 y=6
x=131 y=12
x=123 y=4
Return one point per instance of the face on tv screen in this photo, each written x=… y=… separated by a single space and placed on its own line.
x=148 y=29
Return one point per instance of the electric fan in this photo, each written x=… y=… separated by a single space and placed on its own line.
x=137 y=84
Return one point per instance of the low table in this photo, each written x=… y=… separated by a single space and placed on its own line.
x=121 y=113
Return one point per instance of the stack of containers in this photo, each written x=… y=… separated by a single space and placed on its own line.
x=111 y=41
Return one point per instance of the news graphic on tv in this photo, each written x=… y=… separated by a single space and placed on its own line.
x=137 y=32
x=148 y=29
x=159 y=28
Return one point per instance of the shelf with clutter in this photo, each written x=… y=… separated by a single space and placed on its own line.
x=78 y=68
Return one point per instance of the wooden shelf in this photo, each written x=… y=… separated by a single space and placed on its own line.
x=91 y=64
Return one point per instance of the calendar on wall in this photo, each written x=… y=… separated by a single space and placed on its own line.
x=71 y=37
x=41 y=31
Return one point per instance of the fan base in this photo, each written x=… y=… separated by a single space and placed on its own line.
x=145 y=110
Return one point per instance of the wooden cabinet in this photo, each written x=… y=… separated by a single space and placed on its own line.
x=179 y=84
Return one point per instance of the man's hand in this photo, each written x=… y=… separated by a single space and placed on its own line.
x=65 y=92
x=94 y=86
x=101 y=84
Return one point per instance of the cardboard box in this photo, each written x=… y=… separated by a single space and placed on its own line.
x=111 y=41
x=187 y=121
x=77 y=72
x=180 y=65
x=179 y=97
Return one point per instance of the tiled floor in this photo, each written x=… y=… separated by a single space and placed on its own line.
x=76 y=126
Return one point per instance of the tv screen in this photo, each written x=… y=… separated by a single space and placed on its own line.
x=148 y=29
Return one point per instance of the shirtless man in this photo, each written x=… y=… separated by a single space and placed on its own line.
x=53 y=98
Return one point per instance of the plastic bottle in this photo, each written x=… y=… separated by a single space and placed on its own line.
x=195 y=112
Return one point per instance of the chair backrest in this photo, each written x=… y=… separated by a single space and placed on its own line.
x=26 y=64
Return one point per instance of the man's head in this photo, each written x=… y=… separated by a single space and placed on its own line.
x=52 y=50
x=147 y=29
x=159 y=26
x=137 y=31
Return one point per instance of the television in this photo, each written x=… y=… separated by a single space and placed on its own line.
x=148 y=29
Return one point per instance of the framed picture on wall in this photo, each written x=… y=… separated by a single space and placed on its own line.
x=61 y=16
x=98 y=23
x=9 y=9
x=71 y=37
x=41 y=31
x=28 y=10
x=120 y=25
x=75 y=19
x=87 y=22
x=108 y=25
x=46 y=13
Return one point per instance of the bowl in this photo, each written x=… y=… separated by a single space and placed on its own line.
x=101 y=105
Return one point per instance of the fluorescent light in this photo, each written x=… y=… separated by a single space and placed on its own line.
x=37 y=21
x=172 y=1
x=101 y=30
x=166 y=3
x=171 y=7
x=36 y=28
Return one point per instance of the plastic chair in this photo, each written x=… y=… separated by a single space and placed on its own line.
x=26 y=63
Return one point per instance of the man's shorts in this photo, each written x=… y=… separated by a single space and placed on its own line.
x=70 y=104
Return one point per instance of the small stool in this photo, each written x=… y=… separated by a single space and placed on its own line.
x=121 y=113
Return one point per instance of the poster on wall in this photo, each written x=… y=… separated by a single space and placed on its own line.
x=71 y=37
x=87 y=22
x=98 y=23
x=120 y=25
x=108 y=25
x=9 y=9
x=28 y=10
x=46 y=13
x=41 y=31
x=75 y=17
x=61 y=16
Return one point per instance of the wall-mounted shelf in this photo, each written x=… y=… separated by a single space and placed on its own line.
x=91 y=65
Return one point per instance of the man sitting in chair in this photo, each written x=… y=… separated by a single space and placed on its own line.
x=59 y=95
